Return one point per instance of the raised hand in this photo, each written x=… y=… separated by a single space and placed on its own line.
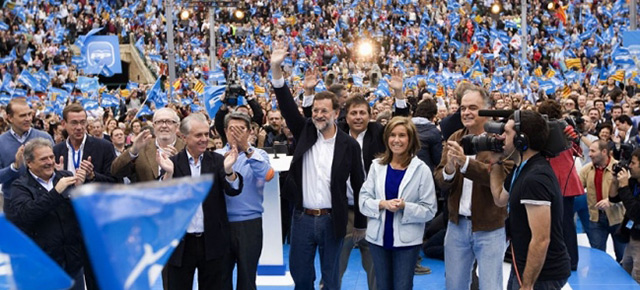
x=80 y=175
x=65 y=182
x=230 y=158
x=140 y=141
x=310 y=80
x=19 y=157
x=165 y=163
x=60 y=165
x=396 y=82
x=87 y=166
x=278 y=54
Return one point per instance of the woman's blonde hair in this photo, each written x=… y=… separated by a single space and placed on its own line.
x=412 y=148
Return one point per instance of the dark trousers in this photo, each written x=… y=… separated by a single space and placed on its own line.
x=246 y=247
x=569 y=230
x=212 y=274
x=394 y=269
x=308 y=234
x=539 y=285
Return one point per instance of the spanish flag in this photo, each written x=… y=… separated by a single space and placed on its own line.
x=619 y=75
x=562 y=15
x=538 y=72
x=573 y=63
x=550 y=73
x=176 y=84
x=566 y=92
x=440 y=92
x=199 y=87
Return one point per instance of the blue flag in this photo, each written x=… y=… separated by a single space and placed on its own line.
x=156 y=96
x=212 y=101
x=23 y=265
x=27 y=55
x=86 y=84
x=131 y=231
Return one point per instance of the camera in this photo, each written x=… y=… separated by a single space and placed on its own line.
x=234 y=90
x=625 y=158
x=556 y=142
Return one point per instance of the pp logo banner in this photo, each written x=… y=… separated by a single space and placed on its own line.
x=102 y=50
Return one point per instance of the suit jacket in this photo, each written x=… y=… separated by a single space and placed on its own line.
x=144 y=167
x=451 y=124
x=346 y=163
x=485 y=215
x=102 y=155
x=216 y=223
x=372 y=144
x=47 y=217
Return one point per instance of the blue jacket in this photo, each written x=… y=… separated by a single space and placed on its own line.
x=418 y=191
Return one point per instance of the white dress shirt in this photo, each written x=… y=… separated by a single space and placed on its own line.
x=48 y=185
x=360 y=139
x=77 y=153
x=196 y=225
x=22 y=139
x=316 y=173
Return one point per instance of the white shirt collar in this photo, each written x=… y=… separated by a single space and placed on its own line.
x=321 y=137
x=84 y=139
x=24 y=135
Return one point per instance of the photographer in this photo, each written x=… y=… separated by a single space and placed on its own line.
x=625 y=189
x=230 y=104
x=604 y=215
x=540 y=258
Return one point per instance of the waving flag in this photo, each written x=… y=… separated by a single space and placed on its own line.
x=156 y=96
x=23 y=265
x=212 y=101
x=131 y=231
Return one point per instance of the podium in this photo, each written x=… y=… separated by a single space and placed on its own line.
x=272 y=270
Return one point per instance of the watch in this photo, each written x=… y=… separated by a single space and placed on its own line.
x=229 y=174
x=249 y=151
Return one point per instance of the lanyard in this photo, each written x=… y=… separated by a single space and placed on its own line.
x=516 y=173
x=76 y=157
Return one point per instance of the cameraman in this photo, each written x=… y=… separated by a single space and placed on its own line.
x=540 y=258
x=625 y=189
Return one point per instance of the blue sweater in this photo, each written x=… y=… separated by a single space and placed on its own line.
x=248 y=204
x=8 y=147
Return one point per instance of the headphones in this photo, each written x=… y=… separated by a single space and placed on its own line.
x=520 y=140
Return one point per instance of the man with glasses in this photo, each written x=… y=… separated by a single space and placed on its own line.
x=12 y=166
x=138 y=163
x=81 y=150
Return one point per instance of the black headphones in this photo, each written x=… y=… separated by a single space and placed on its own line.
x=520 y=140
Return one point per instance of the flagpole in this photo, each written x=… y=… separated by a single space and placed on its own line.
x=141 y=106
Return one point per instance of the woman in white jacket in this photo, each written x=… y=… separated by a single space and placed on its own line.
x=399 y=198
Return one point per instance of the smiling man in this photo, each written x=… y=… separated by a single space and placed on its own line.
x=476 y=225
x=324 y=159
x=19 y=116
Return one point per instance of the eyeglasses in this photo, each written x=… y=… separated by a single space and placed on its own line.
x=165 y=122
x=76 y=123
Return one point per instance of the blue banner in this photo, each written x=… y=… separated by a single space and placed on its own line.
x=131 y=231
x=212 y=101
x=23 y=265
x=102 y=50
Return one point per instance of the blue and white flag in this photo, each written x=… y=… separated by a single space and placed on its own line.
x=23 y=265
x=212 y=100
x=86 y=84
x=156 y=95
x=131 y=231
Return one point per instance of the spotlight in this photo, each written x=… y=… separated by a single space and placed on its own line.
x=238 y=14
x=184 y=14
x=496 y=8
x=551 y=6
x=365 y=49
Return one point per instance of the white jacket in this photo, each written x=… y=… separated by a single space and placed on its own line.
x=418 y=191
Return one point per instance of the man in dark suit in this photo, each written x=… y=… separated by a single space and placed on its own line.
x=40 y=207
x=324 y=159
x=80 y=150
x=453 y=122
x=206 y=246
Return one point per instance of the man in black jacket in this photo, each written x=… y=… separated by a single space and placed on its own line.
x=40 y=207
x=81 y=151
x=324 y=159
x=206 y=246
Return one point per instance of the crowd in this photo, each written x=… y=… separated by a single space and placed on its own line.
x=402 y=80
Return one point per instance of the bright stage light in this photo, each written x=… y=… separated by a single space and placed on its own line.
x=365 y=49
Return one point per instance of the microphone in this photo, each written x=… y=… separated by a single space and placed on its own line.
x=495 y=113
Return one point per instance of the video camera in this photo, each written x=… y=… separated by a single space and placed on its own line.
x=472 y=144
x=625 y=158
x=233 y=91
